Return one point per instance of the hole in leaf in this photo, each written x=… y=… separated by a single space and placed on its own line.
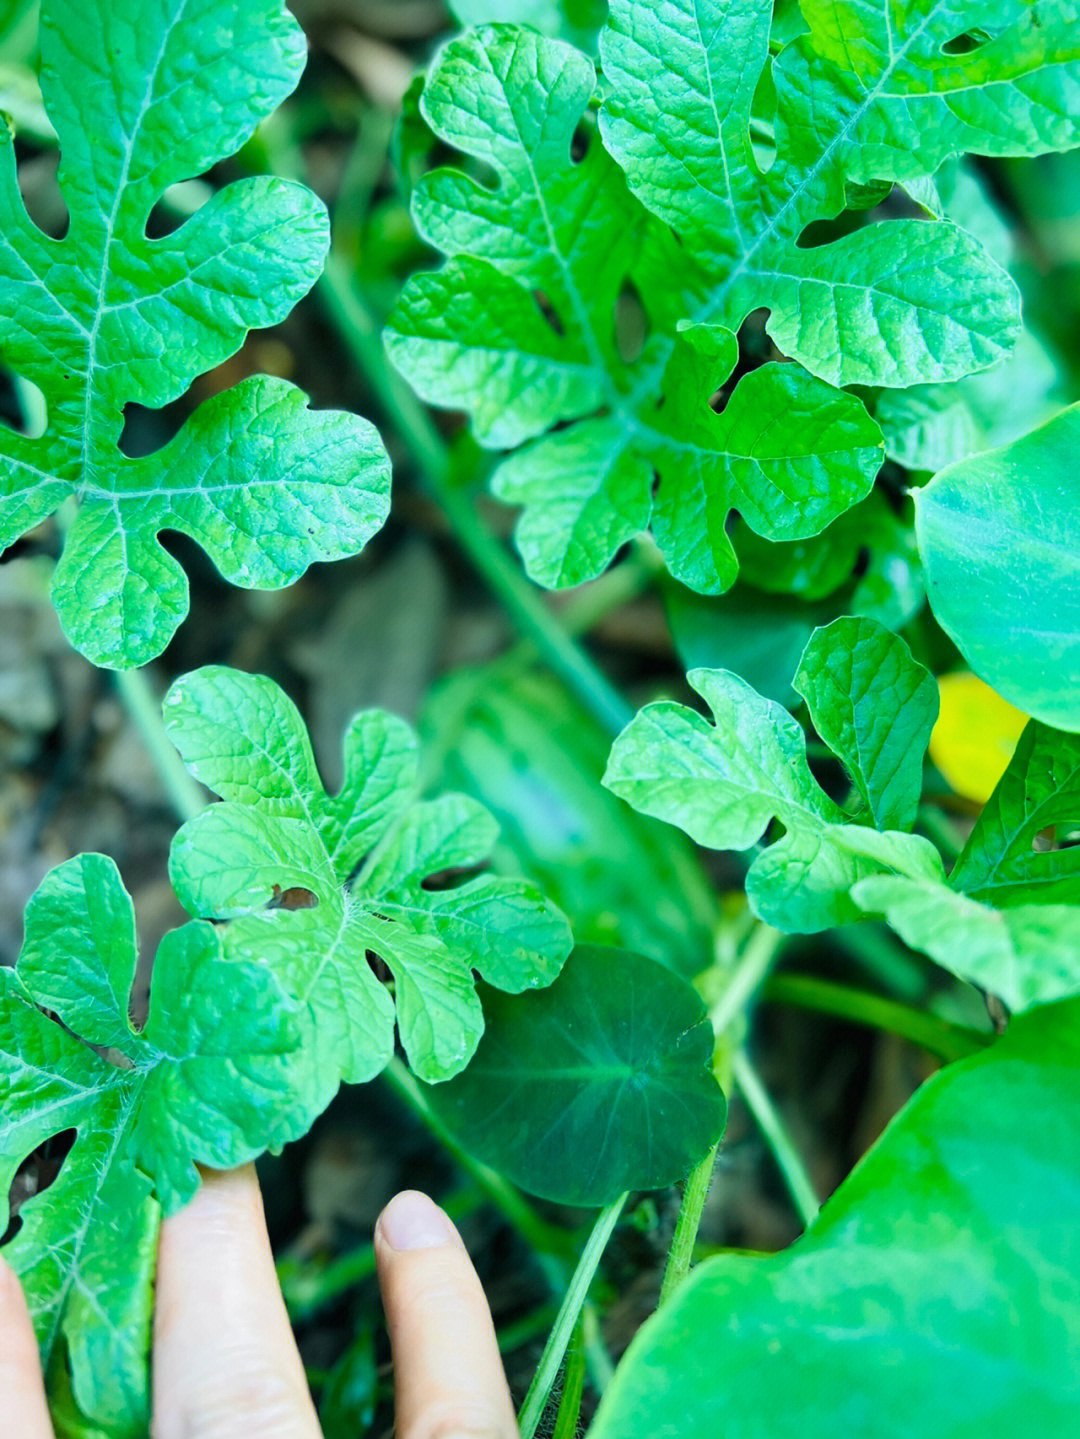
x=36 y=1173
x=379 y=968
x=631 y=324
x=451 y=878
x=547 y=309
x=583 y=138
x=755 y=349
x=22 y=405
x=967 y=43
x=823 y=232
x=296 y=897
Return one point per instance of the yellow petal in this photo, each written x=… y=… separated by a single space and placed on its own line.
x=975 y=735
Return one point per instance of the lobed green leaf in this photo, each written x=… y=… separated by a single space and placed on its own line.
x=107 y=317
x=214 y=1077
x=545 y=246
x=373 y=869
x=874 y=706
x=723 y=783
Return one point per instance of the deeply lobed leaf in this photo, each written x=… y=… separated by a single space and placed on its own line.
x=725 y=782
x=1008 y=919
x=107 y=317
x=519 y=327
x=377 y=872
x=214 y=1077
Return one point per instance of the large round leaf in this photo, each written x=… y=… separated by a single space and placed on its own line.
x=600 y=1084
x=1000 y=538
x=936 y=1297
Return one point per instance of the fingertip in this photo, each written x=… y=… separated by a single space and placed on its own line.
x=413 y=1221
x=449 y=1379
x=25 y=1410
x=225 y=1361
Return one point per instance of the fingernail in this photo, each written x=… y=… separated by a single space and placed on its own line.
x=412 y=1221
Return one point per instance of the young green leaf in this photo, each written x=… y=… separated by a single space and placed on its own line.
x=1027 y=954
x=724 y=782
x=1000 y=539
x=874 y=706
x=214 y=1077
x=788 y=451
x=1040 y=790
x=372 y=868
x=107 y=317
x=870 y=537
x=599 y=1084
x=940 y=1281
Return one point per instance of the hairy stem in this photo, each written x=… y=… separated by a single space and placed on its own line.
x=567 y=1319
x=566 y=1421
x=681 y=1253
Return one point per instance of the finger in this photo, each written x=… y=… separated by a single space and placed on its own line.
x=22 y=1393
x=448 y=1376
x=225 y=1361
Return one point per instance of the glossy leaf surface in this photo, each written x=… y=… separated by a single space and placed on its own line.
x=107 y=317
x=599 y=1084
x=1000 y=538
x=937 y=1293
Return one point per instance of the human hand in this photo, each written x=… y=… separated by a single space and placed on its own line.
x=225 y=1362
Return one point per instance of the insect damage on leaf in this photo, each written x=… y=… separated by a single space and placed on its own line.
x=313 y=883
x=107 y=316
x=669 y=206
x=214 y=1077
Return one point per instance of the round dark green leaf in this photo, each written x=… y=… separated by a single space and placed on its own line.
x=600 y=1084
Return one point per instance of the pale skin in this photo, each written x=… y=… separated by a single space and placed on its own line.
x=225 y=1365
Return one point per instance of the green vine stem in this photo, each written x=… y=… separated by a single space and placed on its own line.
x=747 y=976
x=681 y=1253
x=138 y=697
x=566 y=1322
x=566 y=1421
x=936 y=1035
x=792 y=1170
